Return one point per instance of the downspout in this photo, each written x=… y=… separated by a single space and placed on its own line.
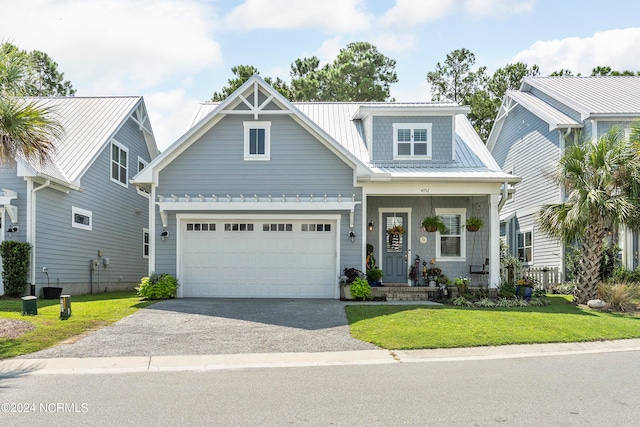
x=31 y=224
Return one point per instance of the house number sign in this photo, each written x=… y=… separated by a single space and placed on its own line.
x=424 y=190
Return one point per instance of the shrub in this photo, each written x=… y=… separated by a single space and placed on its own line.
x=352 y=274
x=538 y=302
x=563 y=288
x=484 y=302
x=461 y=301
x=15 y=264
x=618 y=297
x=158 y=286
x=360 y=288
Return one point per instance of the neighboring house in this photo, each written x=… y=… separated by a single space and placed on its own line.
x=265 y=198
x=528 y=139
x=86 y=223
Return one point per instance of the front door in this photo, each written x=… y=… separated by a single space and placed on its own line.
x=394 y=263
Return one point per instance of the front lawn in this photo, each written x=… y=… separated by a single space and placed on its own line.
x=415 y=327
x=88 y=312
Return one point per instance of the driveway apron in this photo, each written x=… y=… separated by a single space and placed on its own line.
x=199 y=326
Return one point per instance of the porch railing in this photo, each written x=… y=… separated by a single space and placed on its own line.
x=546 y=276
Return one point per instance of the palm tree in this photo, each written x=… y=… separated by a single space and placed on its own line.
x=602 y=181
x=27 y=128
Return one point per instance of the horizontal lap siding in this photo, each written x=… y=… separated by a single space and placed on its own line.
x=10 y=181
x=529 y=150
x=300 y=164
x=116 y=230
x=441 y=134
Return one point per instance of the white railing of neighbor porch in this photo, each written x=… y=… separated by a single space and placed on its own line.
x=545 y=276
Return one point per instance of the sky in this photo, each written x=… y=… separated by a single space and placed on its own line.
x=176 y=53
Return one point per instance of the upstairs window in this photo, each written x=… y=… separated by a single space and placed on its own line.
x=411 y=141
x=141 y=164
x=81 y=218
x=257 y=140
x=119 y=154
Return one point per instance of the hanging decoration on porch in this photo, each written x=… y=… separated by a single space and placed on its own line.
x=395 y=232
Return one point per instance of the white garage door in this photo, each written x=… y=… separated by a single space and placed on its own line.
x=259 y=259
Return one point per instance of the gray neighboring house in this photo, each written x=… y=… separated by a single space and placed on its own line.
x=262 y=197
x=528 y=139
x=86 y=222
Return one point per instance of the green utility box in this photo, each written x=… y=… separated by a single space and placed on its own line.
x=65 y=307
x=29 y=306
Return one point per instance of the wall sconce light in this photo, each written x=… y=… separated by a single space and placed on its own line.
x=352 y=236
x=370 y=225
x=164 y=235
x=13 y=229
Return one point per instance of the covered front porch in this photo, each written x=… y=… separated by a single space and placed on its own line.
x=417 y=258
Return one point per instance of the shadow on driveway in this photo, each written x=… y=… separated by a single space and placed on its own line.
x=199 y=326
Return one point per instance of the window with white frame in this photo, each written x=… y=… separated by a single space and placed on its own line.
x=412 y=140
x=142 y=163
x=81 y=218
x=257 y=140
x=524 y=246
x=145 y=243
x=119 y=163
x=451 y=244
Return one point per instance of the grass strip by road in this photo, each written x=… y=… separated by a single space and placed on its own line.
x=406 y=327
x=88 y=313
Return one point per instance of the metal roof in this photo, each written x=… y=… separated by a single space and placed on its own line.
x=89 y=123
x=472 y=159
x=546 y=112
x=592 y=96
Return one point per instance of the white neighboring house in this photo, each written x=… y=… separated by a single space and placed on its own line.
x=528 y=139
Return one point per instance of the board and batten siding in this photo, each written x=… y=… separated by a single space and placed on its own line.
x=299 y=165
x=441 y=137
x=10 y=181
x=119 y=216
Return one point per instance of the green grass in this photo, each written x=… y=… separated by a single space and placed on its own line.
x=416 y=327
x=88 y=312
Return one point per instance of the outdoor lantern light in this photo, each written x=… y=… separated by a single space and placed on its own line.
x=164 y=235
x=370 y=225
x=352 y=236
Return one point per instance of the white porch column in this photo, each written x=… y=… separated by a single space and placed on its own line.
x=494 y=241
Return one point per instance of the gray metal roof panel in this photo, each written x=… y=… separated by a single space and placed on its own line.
x=88 y=125
x=597 y=95
x=546 y=112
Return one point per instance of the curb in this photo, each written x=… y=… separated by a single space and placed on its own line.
x=102 y=365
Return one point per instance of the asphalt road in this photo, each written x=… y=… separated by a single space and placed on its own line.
x=567 y=390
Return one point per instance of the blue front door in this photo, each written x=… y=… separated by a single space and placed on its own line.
x=394 y=251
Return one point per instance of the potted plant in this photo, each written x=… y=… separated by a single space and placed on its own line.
x=345 y=281
x=374 y=275
x=433 y=223
x=527 y=283
x=462 y=283
x=360 y=288
x=474 y=223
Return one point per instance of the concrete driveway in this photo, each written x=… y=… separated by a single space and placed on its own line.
x=199 y=326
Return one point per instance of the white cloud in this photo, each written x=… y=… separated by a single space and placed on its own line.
x=329 y=15
x=418 y=92
x=619 y=49
x=394 y=42
x=170 y=113
x=329 y=50
x=111 y=46
x=409 y=13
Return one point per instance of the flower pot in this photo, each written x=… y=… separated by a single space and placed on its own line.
x=430 y=228
x=345 y=292
x=528 y=291
x=473 y=228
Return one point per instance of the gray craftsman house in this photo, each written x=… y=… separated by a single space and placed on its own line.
x=88 y=226
x=262 y=197
x=528 y=139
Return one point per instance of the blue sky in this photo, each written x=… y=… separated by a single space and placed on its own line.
x=178 y=52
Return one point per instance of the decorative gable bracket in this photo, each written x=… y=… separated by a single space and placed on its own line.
x=5 y=200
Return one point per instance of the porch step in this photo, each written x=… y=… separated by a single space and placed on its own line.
x=406 y=293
